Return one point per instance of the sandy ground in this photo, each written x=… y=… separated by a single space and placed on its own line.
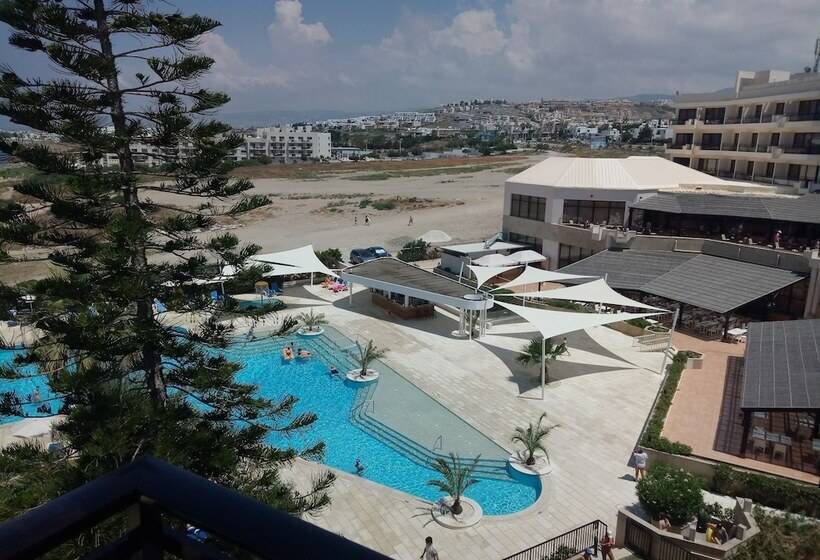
x=467 y=206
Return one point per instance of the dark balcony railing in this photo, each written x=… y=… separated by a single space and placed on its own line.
x=712 y=121
x=709 y=146
x=760 y=148
x=802 y=149
x=804 y=116
x=680 y=146
x=153 y=492
x=745 y=148
x=729 y=147
x=568 y=545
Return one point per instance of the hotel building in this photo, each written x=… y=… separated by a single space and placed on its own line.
x=285 y=144
x=765 y=129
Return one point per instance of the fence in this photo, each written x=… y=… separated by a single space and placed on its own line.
x=566 y=545
x=642 y=541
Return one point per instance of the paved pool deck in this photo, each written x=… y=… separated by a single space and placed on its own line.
x=600 y=396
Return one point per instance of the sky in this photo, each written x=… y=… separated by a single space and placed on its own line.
x=374 y=55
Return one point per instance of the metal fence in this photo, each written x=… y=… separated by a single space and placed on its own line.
x=565 y=546
x=646 y=544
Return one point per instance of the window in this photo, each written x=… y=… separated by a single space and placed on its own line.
x=775 y=140
x=686 y=114
x=528 y=240
x=681 y=161
x=780 y=108
x=710 y=141
x=750 y=168
x=758 y=111
x=529 y=207
x=714 y=115
x=794 y=172
x=594 y=212
x=810 y=107
x=568 y=254
x=769 y=170
x=683 y=140
x=708 y=165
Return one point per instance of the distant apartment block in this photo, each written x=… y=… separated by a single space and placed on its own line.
x=285 y=144
x=766 y=129
x=148 y=155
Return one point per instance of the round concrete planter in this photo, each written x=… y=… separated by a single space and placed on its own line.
x=459 y=334
x=304 y=331
x=471 y=513
x=542 y=466
x=355 y=376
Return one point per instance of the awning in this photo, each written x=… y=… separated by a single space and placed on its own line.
x=718 y=284
x=484 y=273
x=532 y=275
x=555 y=323
x=294 y=261
x=527 y=256
x=596 y=291
x=494 y=259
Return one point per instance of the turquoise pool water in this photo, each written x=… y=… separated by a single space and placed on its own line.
x=25 y=387
x=333 y=399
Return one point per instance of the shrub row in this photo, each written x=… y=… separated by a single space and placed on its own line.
x=769 y=491
x=652 y=437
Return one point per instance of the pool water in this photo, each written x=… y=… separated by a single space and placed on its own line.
x=332 y=399
x=25 y=387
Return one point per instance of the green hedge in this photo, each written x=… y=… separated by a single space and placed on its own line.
x=769 y=491
x=640 y=323
x=671 y=491
x=652 y=437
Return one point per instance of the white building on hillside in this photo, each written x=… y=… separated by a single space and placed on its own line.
x=286 y=144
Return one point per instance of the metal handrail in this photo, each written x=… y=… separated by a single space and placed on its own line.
x=567 y=543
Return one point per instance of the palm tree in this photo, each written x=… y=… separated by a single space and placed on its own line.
x=456 y=477
x=531 y=353
x=367 y=354
x=532 y=438
x=312 y=320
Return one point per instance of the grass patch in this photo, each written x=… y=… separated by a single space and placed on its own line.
x=652 y=437
x=384 y=204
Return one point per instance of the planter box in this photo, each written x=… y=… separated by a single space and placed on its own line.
x=694 y=361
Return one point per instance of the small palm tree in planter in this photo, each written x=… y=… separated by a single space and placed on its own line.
x=532 y=438
x=312 y=320
x=531 y=353
x=456 y=477
x=367 y=354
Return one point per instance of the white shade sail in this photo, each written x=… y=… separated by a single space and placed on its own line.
x=597 y=291
x=532 y=275
x=527 y=256
x=294 y=261
x=494 y=259
x=484 y=273
x=33 y=427
x=555 y=323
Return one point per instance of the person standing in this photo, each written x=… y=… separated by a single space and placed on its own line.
x=410 y=221
x=355 y=220
x=430 y=552
x=607 y=544
x=641 y=458
x=367 y=219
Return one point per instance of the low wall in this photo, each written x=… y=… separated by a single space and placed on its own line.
x=699 y=467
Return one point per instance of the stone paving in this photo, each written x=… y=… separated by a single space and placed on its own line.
x=599 y=398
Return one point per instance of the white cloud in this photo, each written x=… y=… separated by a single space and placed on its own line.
x=231 y=72
x=473 y=31
x=290 y=26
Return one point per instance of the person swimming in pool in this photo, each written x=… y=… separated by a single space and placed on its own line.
x=359 y=467
x=303 y=353
x=287 y=353
x=334 y=370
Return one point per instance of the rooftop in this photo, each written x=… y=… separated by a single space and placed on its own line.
x=631 y=173
x=782 y=366
x=757 y=84
x=786 y=208
x=706 y=281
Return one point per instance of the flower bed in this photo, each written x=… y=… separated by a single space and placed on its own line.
x=652 y=437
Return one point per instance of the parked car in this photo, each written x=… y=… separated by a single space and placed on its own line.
x=363 y=255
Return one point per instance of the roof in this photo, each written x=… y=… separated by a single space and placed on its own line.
x=804 y=208
x=782 y=366
x=719 y=284
x=480 y=247
x=634 y=172
x=706 y=281
x=628 y=270
x=389 y=273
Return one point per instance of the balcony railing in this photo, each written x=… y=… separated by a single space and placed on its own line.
x=680 y=146
x=804 y=116
x=709 y=146
x=568 y=545
x=802 y=149
x=763 y=149
x=162 y=500
x=729 y=147
x=712 y=121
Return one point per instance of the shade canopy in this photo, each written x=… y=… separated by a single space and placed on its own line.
x=484 y=273
x=596 y=291
x=527 y=256
x=294 y=261
x=494 y=259
x=532 y=275
x=555 y=323
x=435 y=236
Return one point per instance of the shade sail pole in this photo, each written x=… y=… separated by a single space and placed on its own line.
x=669 y=342
x=543 y=365
x=350 y=293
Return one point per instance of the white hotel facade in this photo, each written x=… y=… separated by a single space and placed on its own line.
x=765 y=129
x=286 y=144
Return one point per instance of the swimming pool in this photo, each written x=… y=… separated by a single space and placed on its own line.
x=388 y=444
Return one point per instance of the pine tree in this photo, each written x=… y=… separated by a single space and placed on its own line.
x=129 y=383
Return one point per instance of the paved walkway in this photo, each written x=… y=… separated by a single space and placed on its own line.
x=694 y=416
x=598 y=397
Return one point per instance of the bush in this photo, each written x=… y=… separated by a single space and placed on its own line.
x=640 y=323
x=768 y=490
x=331 y=258
x=652 y=437
x=364 y=203
x=384 y=204
x=781 y=538
x=414 y=251
x=671 y=491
